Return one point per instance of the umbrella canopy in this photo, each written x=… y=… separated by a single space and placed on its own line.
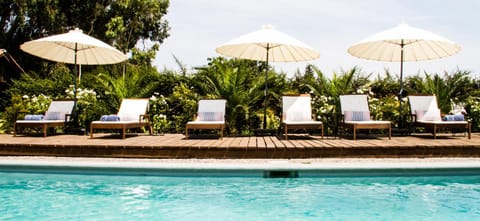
x=256 y=45
x=267 y=45
x=417 y=45
x=404 y=43
x=74 y=47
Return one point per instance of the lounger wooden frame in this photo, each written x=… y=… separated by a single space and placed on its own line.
x=44 y=125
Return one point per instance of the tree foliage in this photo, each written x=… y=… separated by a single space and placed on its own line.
x=237 y=81
x=121 y=23
x=134 y=20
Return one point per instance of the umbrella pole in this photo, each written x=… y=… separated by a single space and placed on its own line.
x=400 y=94
x=74 y=111
x=265 y=92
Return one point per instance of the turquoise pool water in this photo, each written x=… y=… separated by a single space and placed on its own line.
x=44 y=196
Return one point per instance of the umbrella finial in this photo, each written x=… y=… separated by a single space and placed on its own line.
x=268 y=26
x=77 y=30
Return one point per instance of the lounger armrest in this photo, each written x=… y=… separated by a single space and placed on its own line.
x=414 y=117
x=144 y=117
x=67 y=118
x=18 y=113
x=467 y=117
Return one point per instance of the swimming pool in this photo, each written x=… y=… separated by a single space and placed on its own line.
x=48 y=194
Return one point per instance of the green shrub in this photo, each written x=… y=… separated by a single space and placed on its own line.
x=183 y=106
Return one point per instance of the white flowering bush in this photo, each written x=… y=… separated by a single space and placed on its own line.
x=472 y=107
x=36 y=104
x=158 y=113
x=87 y=110
x=21 y=105
x=87 y=95
x=388 y=108
x=327 y=110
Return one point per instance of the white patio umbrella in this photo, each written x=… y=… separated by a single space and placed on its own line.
x=75 y=48
x=404 y=43
x=267 y=45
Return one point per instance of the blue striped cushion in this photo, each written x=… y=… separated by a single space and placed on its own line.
x=210 y=116
x=356 y=115
x=454 y=117
x=54 y=115
x=33 y=117
x=110 y=118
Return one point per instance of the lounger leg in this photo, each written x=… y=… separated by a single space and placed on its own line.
x=354 y=132
x=390 y=132
x=15 y=129
x=91 y=131
x=221 y=133
x=322 y=131
x=124 y=131
x=469 y=130
x=186 y=133
x=44 y=129
x=286 y=132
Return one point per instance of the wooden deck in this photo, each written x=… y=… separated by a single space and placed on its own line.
x=176 y=146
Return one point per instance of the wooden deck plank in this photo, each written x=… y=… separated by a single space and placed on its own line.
x=227 y=142
x=305 y=143
x=320 y=142
x=244 y=142
x=298 y=144
x=288 y=144
x=334 y=143
x=261 y=143
x=277 y=142
x=312 y=143
x=236 y=142
x=269 y=142
x=252 y=143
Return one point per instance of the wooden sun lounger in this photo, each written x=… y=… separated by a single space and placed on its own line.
x=359 y=103
x=424 y=103
x=210 y=115
x=62 y=110
x=297 y=114
x=132 y=114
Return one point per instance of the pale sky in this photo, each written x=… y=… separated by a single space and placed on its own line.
x=328 y=26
